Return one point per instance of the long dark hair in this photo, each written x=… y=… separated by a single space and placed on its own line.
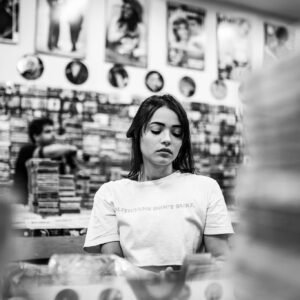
x=135 y=19
x=184 y=161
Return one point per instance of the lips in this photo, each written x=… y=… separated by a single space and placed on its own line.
x=165 y=150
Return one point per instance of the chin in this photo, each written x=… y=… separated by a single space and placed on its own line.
x=163 y=162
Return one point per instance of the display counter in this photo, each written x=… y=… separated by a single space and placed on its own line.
x=37 y=237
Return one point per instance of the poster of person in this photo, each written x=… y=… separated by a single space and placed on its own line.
x=234 y=47
x=279 y=42
x=61 y=27
x=186 y=36
x=126 y=32
x=9 y=21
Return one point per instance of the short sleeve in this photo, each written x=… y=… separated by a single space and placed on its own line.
x=103 y=226
x=217 y=216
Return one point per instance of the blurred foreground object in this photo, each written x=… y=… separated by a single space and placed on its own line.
x=6 y=200
x=267 y=253
x=101 y=277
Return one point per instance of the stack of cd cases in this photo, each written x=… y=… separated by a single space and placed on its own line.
x=4 y=151
x=18 y=137
x=83 y=190
x=43 y=186
x=69 y=202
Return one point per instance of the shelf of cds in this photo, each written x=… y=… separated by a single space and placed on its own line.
x=96 y=123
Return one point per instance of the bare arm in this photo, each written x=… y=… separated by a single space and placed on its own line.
x=55 y=150
x=217 y=245
x=115 y=248
x=107 y=248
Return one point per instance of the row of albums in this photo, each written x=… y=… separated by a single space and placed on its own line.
x=96 y=123
x=62 y=27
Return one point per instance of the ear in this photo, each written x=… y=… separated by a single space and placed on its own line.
x=35 y=137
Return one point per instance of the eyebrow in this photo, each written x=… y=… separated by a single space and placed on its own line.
x=162 y=124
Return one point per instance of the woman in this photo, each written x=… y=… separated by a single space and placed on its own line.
x=178 y=54
x=162 y=211
x=187 y=48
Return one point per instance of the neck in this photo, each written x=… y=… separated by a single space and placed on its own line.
x=153 y=173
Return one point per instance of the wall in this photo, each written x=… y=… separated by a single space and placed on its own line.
x=55 y=66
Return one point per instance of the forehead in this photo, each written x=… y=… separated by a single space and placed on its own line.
x=47 y=127
x=166 y=116
x=192 y=21
x=183 y=25
x=126 y=5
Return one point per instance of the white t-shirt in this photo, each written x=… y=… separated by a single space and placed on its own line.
x=158 y=222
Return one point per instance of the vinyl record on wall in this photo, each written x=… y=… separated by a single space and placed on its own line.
x=67 y=294
x=218 y=89
x=118 y=76
x=187 y=86
x=77 y=72
x=111 y=294
x=214 y=290
x=154 y=81
x=30 y=67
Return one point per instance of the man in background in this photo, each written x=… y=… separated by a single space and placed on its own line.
x=42 y=136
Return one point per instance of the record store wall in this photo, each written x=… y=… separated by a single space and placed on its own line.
x=96 y=20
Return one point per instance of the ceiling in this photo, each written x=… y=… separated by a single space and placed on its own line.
x=287 y=9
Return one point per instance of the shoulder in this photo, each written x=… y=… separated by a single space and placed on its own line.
x=27 y=150
x=110 y=187
x=203 y=184
x=198 y=179
x=28 y=147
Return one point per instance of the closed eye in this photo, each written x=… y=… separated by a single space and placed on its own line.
x=156 y=131
x=177 y=132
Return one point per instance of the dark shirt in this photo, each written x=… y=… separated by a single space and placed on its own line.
x=20 y=176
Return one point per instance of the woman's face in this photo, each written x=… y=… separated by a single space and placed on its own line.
x=127 y=10
x=183 y=32
x=162 y=139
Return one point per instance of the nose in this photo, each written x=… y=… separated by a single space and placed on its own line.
x=166 y=137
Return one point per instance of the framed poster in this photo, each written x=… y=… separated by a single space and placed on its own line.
x=126 y=32
x=279 y=42
x=186 y=36
x=61 y=27
x=234 y=47
x=9 y=21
